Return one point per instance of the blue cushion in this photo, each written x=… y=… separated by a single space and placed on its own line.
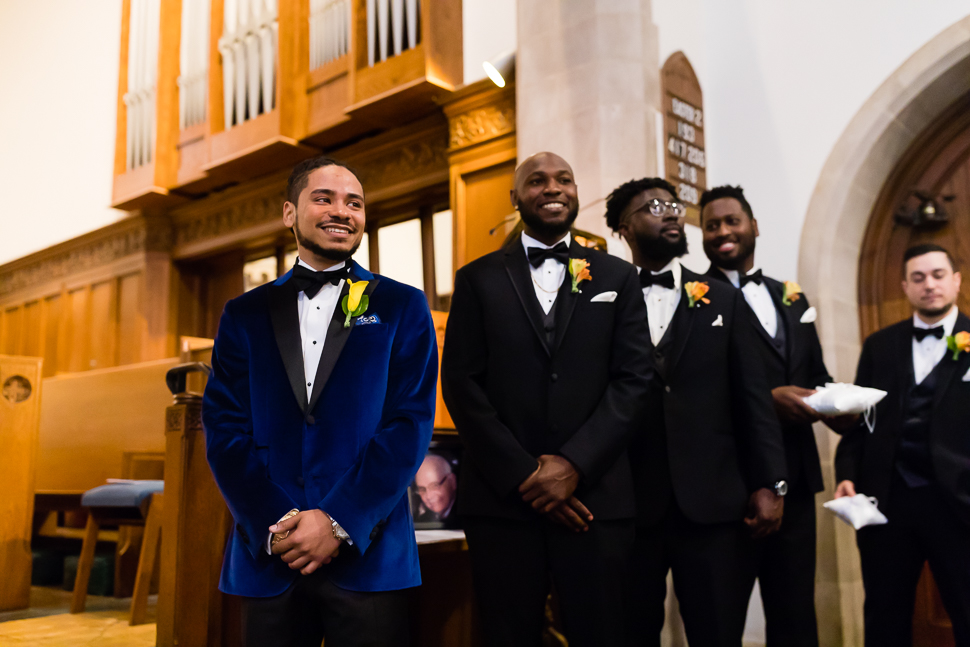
x=120 y=495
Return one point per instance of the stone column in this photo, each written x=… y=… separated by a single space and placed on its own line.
x=588 y=89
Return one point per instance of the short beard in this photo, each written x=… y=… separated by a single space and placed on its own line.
x=543 y=228
x=660 y=248
x=939 y=312
x=334 y=255
x=738 y=262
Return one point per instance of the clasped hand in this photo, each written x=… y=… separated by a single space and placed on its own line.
x=765 y=510
x=550 y=489
x=310 y=542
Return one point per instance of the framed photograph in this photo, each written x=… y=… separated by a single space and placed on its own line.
x=435 y=487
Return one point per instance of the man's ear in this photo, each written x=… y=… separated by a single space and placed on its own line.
x=958 y=278
x=514 y=199
x=289 y=214
x=754 y=226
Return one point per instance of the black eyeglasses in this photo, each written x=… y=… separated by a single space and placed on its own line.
x=661 y=208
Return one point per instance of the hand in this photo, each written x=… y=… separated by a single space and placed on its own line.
x=790 y=405
x=572 y=514
x=765 y=509
x=841 y=424
x=310 y=543
x=551 y=484
x=845 y=488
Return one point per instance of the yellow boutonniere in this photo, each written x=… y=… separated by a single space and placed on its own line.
x=958 y=343
x=793 y=292
x=695 y=293
x=579 y=270
x=356 y=302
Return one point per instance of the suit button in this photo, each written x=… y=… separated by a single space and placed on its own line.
x=310 y=420
x=300 y=481
x=554 y=377
x=667 y=389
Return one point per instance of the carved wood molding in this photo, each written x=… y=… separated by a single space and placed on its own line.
x=238 y=215
x=131 y=236
x=479 y=113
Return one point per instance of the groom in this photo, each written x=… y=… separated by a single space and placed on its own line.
x=317 y=415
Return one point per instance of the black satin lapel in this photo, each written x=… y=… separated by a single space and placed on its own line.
x=952 y=369
x=285 y=316
x=337 y=337
x=566 y=300
x=682 y=322
x=517 y=266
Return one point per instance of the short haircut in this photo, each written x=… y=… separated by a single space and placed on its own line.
x=926 y=248
x=726 y=191
x=298 y=177
x=622 y=195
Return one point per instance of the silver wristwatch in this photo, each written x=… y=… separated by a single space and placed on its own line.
x=781 y=488
x=338 y=532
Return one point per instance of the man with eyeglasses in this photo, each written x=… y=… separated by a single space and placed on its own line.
x=708 y=465
x=436 y=484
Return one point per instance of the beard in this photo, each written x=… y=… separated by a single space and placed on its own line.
x=335 y=255
x=551 y=229
x=745 y=250
x=936 y=312
x=661 y=248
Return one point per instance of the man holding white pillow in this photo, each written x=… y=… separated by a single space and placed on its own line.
x=916 y=459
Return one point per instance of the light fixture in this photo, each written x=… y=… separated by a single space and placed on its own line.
x=928 y=211
x=501 y=68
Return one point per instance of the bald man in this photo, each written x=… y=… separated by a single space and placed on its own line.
x=544 y=370
x=436 y=484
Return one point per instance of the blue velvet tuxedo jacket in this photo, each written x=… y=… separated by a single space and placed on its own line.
x=352 y=450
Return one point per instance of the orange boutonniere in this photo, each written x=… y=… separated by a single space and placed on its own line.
x=958 y=343
x=793 y=293
x=695 y=293
x=579 y=270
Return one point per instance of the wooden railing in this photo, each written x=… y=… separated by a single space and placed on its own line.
x=215 y=92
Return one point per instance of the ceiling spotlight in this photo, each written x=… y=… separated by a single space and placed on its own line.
x=501 y=69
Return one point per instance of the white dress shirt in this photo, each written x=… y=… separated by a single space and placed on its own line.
x=759 y=298
x=928 y=353
x=315 y=316
x=662 y=302
x=548 y=277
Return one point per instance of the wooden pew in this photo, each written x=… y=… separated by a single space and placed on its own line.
x=20 y=391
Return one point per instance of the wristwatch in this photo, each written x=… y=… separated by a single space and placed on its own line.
x=338 y=532
x=781 y=488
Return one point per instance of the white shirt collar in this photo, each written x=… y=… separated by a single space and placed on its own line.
x=528 y=241
x=734 y=276
x=338 y=266
x=674 y=267
x=949 y=322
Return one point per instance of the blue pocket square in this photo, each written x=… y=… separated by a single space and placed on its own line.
x=369 y=319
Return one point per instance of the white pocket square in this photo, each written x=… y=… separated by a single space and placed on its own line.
x=809 y=316
x=966 y=378
x=604 y=297
x=719 y=321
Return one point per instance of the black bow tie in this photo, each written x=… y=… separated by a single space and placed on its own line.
x=664 y=279
x=538 y=255
x=310 y=281
x=922 y=333
x=754 y=277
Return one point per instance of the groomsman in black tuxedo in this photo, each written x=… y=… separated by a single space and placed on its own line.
x=786 y=336
x=916 y=458
x=544 y=371
x=709 y=465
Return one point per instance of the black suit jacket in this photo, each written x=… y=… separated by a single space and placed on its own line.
x=868 y=460
x=513 y=397
x=720 y=439
x=803 y=366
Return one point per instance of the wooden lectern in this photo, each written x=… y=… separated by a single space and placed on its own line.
x=19 y=427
